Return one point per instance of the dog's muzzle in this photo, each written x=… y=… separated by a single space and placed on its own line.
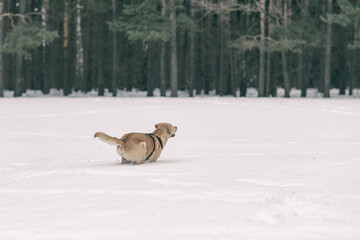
x=172 y=135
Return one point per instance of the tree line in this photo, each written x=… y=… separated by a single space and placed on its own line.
x=193 y=45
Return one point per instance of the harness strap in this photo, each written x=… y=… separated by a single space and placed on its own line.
x=152 y=138
x=160 y=142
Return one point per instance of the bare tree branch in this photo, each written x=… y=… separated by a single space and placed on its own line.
x=25 y=18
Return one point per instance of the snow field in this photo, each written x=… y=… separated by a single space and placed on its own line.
x=237 y=168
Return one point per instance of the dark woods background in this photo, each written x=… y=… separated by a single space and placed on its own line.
x=192 y=45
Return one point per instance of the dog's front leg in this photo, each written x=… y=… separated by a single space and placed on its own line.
x=153 y=160
x=124 y=161
x=140 y=162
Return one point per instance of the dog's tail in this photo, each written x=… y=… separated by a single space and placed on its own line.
x=108 y=139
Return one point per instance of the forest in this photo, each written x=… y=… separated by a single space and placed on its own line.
x=196 y=46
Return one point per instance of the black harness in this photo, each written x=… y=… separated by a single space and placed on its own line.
x=153 y=139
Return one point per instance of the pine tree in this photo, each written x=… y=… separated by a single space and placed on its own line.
x=22 y=40
x=147 y=23
x=349 y=16
x=272 y=43
x=286 y=37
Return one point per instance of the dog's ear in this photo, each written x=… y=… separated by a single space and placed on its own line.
x=156 y=126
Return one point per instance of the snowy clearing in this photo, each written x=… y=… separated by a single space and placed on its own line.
x=237 y=169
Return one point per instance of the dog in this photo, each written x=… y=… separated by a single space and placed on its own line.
x=140 y=147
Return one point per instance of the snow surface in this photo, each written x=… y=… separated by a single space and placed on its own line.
x=237 y=169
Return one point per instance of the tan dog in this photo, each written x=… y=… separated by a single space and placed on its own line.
x=141 y=147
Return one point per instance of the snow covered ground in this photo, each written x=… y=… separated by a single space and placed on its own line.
x=237 y=169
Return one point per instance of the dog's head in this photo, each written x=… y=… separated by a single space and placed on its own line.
x=167 y=128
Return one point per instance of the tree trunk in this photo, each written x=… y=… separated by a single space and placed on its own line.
x=354 y=56
x=44 y=66
x=162 y=58
x=79 y=49
x=221 y=54
x=132 y=53
x=192 y=53
x=243 y=85
x=327 y=70
x=285 y=74
x=66 y=82
x=262 y=50
x=99 y=60
x=307 y=56
x=287 y=84
x=268 y=60
x=207 y=57
x=150 y=82
x=114 y=54
x=275 y=75
x=174 y=76
x=162 y=69
x=183 y=55
x=232 y=73
x=268 y=74
x=299 y=71
x=244 y=62
x=342 y=64
x=227 y=55
x=19 y=86
x=1 y=55
x=306 y=74
x=146 y=58
x=353 y=70
x=224 y=55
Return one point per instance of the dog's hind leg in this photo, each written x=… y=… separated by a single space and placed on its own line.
x=142 y=154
